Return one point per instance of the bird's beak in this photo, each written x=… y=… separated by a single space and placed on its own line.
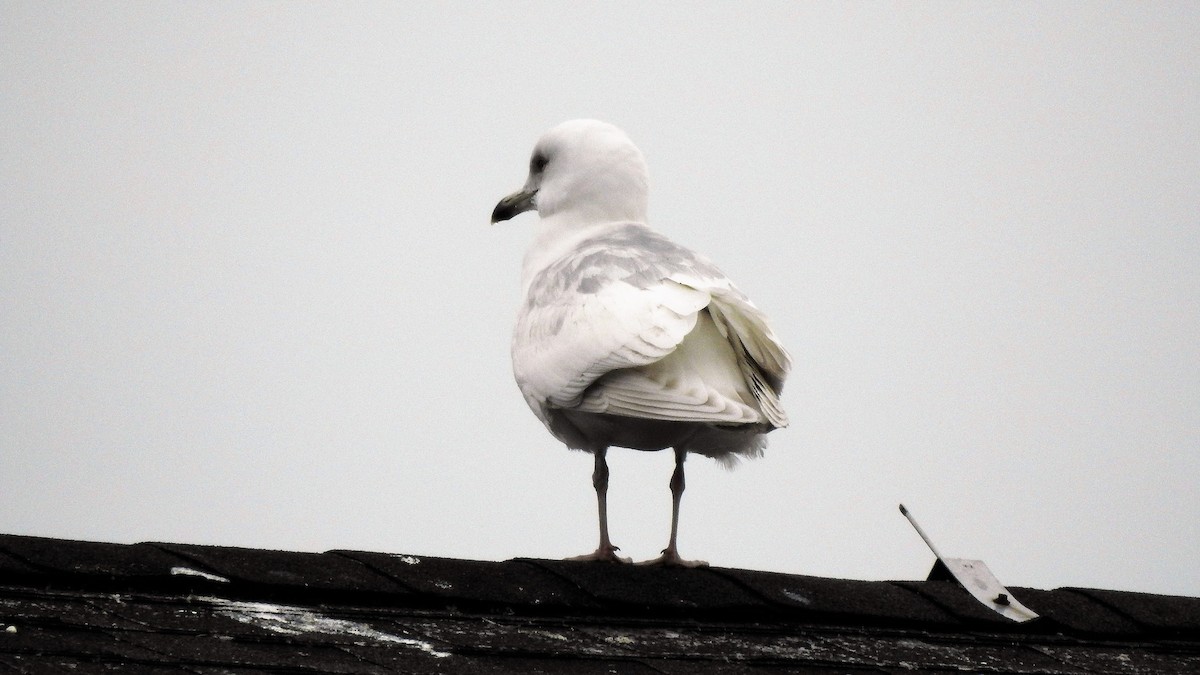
x=518 y=202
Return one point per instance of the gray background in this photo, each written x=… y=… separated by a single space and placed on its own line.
x=249 y=295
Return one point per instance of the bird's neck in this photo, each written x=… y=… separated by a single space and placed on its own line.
x=555 y=237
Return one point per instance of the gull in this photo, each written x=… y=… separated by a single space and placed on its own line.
x=625 y=338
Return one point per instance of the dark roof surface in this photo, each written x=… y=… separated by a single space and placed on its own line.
x=68 y=606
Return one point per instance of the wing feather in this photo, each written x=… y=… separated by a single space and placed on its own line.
x=632 y=324
x=559 y=350
x=698 y=382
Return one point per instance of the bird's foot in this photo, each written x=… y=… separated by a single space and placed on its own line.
x=670 y=558
x=602 y=554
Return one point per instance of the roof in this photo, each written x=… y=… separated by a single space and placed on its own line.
x=170 y=608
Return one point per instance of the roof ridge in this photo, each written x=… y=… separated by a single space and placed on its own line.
x=183 y=607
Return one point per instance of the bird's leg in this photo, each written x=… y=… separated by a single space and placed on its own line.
x=600 y=482
x=605 y=551
x=670 y=555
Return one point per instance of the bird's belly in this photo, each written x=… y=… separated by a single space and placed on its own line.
x=604 y=430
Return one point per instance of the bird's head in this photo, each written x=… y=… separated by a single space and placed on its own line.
x=584 y=169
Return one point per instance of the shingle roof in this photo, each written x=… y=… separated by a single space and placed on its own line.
x=93 y=607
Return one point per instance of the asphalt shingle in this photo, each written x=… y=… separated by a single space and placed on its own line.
x=100 y=608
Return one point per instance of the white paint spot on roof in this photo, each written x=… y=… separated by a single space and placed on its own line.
x=553 y=635
x=798 y=597
x=187 y=571
x=290 y=620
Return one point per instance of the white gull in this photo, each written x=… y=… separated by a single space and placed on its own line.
x=626 y=338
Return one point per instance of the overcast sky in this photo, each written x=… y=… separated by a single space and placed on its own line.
x=249 y=294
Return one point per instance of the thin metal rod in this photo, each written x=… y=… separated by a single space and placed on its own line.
x=913 y=522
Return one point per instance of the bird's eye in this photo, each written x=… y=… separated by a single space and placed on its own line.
x=538 y=162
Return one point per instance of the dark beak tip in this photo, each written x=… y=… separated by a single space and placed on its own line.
x=502 y=212
x=513 y=205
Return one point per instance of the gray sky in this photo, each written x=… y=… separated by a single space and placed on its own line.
x=249 y=295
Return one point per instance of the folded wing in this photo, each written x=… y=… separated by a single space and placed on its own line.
x=648 y=330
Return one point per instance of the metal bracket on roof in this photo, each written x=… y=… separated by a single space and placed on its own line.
x=974 y=576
